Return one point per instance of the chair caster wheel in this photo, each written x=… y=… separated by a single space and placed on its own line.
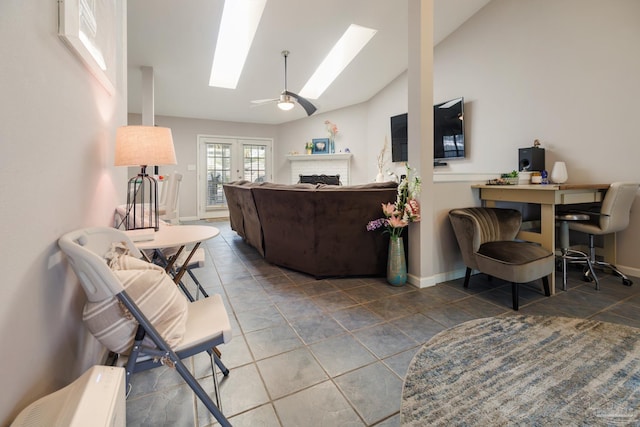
x=627 y=282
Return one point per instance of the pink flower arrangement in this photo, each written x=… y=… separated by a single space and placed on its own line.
x=404 y=211
x=331 y=128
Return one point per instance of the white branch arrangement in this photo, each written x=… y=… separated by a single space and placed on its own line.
x=381 y=156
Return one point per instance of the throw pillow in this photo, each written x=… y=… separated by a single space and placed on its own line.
x=153 y=292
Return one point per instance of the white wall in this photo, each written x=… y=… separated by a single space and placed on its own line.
x=362 y=128
x=56 y=175
x=564 y=72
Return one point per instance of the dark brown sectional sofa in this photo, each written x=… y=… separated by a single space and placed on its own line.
x=313 y=228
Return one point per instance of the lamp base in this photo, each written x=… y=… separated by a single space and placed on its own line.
x=142 y=203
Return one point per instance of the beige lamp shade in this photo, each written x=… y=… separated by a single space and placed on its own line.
x=144 y=145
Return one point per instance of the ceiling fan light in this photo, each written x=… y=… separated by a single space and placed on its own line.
x=285 y=105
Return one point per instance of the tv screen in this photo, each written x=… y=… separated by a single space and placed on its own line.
x=448 y=130
x=399 y=138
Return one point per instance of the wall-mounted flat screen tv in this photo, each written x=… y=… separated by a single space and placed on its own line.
x=399 y=137
x=448 y=130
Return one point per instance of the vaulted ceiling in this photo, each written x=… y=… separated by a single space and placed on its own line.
x=177 y=39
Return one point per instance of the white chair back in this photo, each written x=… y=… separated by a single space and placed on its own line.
x=85 y=250
x=171 y=191
x=616 y=206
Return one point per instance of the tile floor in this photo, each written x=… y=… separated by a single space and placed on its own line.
x=334 y=352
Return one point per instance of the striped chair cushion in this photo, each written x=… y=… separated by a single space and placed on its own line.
x=154 y=293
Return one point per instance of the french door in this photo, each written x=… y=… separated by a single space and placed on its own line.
x=226 y=159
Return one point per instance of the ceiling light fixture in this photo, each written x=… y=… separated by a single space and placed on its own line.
x=350 y=44
x=285 y=103
x=240 y=19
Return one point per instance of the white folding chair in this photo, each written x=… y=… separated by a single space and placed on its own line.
x=168 y=208
x=207 y=323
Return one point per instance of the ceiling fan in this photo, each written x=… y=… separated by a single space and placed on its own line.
x=286 y=99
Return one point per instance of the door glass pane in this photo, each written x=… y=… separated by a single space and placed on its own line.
x=218 y=172
x=255 y=162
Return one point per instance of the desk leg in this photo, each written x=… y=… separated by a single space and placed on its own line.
x=548 y=231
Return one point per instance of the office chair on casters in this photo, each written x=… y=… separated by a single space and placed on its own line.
x=206 y=323
x=612 y=217
x=569 y=255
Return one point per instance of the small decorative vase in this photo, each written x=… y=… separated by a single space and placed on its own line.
x=379 y=177
x=559 y=173
x=396 y=263
x=332 y=145
x=308 y=150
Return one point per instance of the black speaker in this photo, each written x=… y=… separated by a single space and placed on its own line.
x=530 y=159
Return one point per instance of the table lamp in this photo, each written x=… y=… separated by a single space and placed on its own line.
x=142 y=146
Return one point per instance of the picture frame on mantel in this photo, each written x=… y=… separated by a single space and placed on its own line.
x=88 y=28
x=320 y=145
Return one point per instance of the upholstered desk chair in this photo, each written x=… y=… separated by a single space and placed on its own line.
x=613 y=217
x=486 y=239
x=143 y=314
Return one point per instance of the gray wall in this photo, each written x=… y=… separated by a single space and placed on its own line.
x=56 y=175
x=564 y=72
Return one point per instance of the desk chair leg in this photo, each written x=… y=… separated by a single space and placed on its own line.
x=601 y=264
x=571 y=255
x=564 y=269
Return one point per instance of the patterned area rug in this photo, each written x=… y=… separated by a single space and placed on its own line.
x=526 y=371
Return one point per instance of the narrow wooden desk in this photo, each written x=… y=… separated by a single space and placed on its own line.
x=547 y=196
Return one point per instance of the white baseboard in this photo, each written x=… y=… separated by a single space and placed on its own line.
x=425 y=282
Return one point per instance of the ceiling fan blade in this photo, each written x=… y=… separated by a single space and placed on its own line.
x=304 y=103
x=264 y=101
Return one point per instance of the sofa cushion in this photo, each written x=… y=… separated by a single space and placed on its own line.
x=154 y=293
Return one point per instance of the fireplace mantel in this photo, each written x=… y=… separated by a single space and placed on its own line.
x=316 y=157
x=328 y=164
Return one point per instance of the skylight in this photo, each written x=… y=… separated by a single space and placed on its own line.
x=240 y=19
x=350 y=44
